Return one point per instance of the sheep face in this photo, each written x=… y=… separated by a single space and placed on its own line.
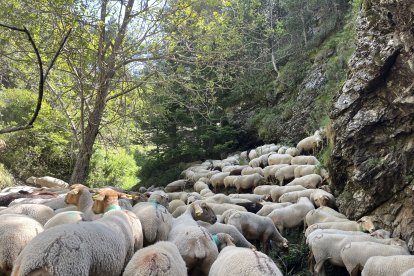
x=283 y=244
x=366 y=224
x=322 y=201
x=104 y=199
x=203 y=212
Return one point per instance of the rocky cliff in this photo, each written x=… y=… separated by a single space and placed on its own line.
x=373 y=120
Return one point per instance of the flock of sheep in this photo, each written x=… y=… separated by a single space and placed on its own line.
x=170 y=231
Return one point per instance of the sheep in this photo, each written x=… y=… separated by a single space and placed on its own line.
x=282 y=150
x=264 y=189
x=317 y=233
x=356 y=254
x=291 y=216
x=217 y=180
x=80 y=196
x=255 y=263
x=331 y=211
x=328 y=247
x=381 y=234
x=67 y=217
x=248 y=181
x=310 y=181
x=193 y=196
x=318 y=215
x=267 y=209
x=174 y=204
x=322 y=198
x=295 y=195
x=269 y=171
x=176 y=186
x=38 y=212
x=278 y=191
x=309 y=144
x=388 y=265
x=200 y=185
x=106 y=200
x=256 y=162
x=252 y=207
x=304 y=160
x=195 y=243
x=16 y=231
x=252 y=154
x=219 y=209
x=249 y=170
x=229 y=181
x=178 y=195
x=364 y=224
x=285 y=173
x=254 y=227
x=234 y=170
x=218 y=227
x=409 y=272
x=243 y=155
x=101 y=247
x=206 y=193
x=156 y=221
x=179 y=211
x=221 y=198
x=251 y=197
x=278 y=159
x=292 y=151
x=47 y=181
x=7 y=198
x=162 y=258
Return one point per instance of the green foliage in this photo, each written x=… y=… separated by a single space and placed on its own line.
x=6 y=179
x=42 y=150
x=113 y=167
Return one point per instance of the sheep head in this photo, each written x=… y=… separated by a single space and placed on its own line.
x=201 y=211
x=322 y=201
x=72 y=197
x=104 y=199
x=160 y=197
x=366 y=224
x=222 y=240
x=283 y=244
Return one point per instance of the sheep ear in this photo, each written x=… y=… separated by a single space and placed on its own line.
x=198 y=210
x=98 y=197
x=74 y=192
x=123 y=195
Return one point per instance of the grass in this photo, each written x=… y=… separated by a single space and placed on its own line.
x=6 y=179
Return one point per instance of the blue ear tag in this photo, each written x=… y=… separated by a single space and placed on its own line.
x=112 y=208
x=216 y=240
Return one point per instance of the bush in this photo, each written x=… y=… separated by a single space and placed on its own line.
x=42 y=150
x=113 y=167
x=6 y=179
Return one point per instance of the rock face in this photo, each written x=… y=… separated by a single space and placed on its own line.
x=372 y=163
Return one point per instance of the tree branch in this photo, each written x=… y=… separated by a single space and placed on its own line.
x=42 y=77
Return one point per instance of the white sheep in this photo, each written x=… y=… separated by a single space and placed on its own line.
x=254 y=227
x=221 y=198
x=310 y=181
x=318 y=215
x=249 y=170
x=364 y=224
x=304 y=160
x=16 y=231
x=328 y=247
x=156 y=221
x=282 y=149
x=194 y=242
x=264 y=189
x=162 y=259
x=174 y=204
x=101 y=247
x=254 y=263
x=292 y=151
x=219 y=209
x=278 y=191
x=248 y=181
x=206 y=193
x=217 y=180
x=409 y=272
x=200 y=185
x=322 y=198
x=278 y=159
x=38 y=212
x=250 y=197
x=269 y=172
x=388 y=265
x=218 y=227
x=295 y=195
x=285 y=173
x=309 y=144
x=47 y=181
x=229 y=181
x=267 y=209
x=176 y=186
x=291 y=216
x=356 y=254
x=252 y=154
